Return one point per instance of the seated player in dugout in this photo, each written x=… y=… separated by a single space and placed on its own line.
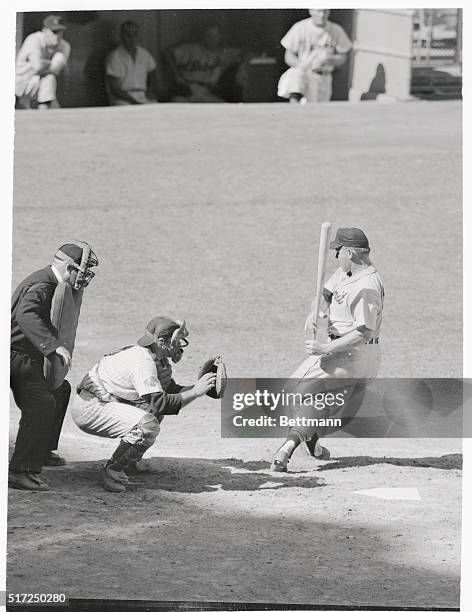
x=41 y=59
x=132 y=75
x=206 y=70
x=127 y=394
x=352 y=306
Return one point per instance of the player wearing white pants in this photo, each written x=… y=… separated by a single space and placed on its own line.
x=42 y=57
x=127 y=394
x=314 y=47
x=353 y=302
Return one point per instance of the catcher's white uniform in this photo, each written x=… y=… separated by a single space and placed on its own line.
x=109 y=401
x=312 y=45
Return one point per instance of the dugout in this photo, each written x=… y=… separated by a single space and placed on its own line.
x=380 y=62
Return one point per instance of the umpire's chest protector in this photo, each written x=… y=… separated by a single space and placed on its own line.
x=65 y=310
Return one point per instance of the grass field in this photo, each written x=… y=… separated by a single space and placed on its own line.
x=212 y=213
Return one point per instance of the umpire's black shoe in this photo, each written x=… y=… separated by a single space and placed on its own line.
x=26 y=481
x=54 y=460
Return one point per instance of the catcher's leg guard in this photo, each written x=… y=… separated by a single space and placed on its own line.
x=133 y=446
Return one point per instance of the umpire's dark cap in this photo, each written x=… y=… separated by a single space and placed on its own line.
x=159 y=327
x=350 y=237
x=73 y=251
x=54 y=23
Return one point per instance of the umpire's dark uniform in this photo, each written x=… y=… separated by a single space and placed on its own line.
x=32 y=338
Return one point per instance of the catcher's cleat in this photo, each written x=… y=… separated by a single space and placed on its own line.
x=118 y=475
x=136 y=468
x=314 y=448
x=109 y=483
x=54 y=460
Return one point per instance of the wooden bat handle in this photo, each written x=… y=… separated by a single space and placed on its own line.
x=322 y=255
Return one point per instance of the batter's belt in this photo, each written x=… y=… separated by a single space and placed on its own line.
x=371 y=341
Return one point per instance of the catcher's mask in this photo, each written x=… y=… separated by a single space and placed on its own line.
x=168 y=334
x=80 y=256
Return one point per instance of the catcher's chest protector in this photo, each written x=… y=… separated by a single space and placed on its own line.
x=65 y=310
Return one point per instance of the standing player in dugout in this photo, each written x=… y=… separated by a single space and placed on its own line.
x=352 y=301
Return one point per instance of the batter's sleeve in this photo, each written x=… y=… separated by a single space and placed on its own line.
x=366 y=308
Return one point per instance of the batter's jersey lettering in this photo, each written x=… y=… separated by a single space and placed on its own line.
x=357 y=301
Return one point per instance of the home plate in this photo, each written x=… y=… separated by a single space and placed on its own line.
x=270 y=485
x=407 y=493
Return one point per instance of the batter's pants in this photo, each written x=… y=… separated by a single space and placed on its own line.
x=42 y=412
x=345 y=375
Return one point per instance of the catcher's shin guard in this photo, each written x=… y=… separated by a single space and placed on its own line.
x=132 y=454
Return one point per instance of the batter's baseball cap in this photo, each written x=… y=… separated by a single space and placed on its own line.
x=159 y=327
x=350 y=237
x=54 y=23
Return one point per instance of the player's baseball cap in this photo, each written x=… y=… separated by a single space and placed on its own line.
x=350 y=237
x=54 y=23
x=159 y=327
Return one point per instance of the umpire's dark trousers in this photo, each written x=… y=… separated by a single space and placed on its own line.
x=42 y=412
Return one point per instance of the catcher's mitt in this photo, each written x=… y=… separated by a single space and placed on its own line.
x=217 y=366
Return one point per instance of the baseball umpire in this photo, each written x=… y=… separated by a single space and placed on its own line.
x=41 y=356
x=127 y=394
x=353 y=301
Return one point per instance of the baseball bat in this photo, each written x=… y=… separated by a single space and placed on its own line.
x=322 y=254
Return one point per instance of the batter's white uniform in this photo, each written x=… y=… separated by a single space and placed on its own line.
x=110 y=402
x=132 y=74
x=356 y=301
x=28 y=80
x=312 y=45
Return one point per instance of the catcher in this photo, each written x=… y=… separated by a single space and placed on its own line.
x=127 y=394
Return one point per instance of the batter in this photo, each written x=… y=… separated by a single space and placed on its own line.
x=353 y=301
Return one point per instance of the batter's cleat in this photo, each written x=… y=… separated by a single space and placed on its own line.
x=26 y=481
x=280 y=462
x=314 y=448
x=279 y=466
x=54 y=460
x=109 y=483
